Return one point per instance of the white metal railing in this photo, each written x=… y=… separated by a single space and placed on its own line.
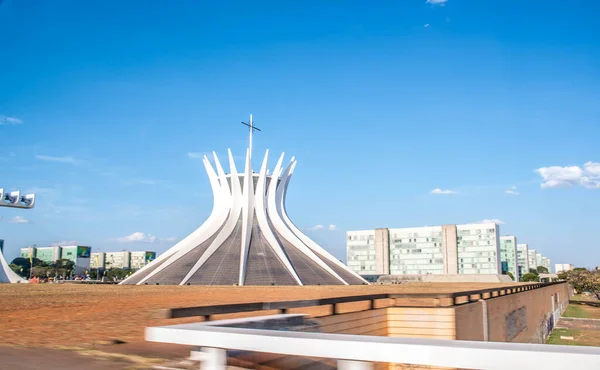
x=359 y=351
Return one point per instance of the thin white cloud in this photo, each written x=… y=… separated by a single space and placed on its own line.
x=147 y=182
x=19 y=220
x=170 y=239
x=64 y=242
x=426 y=25
x=490 y=221
x=437 y=2
x=195 y=155
x=330 y=227
x=587 y=176
x=140 y=182
x=49 y=158
x=137 y=236
x=512 y=191
x=5 y=120
x=443 y=192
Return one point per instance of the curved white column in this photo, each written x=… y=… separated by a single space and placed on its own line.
x=7 y=275
x=279 y=225
x=263 y=224
x=222 y=178
x=201 y=234
x=285 y=179
x=247 y=216
x=230 y=224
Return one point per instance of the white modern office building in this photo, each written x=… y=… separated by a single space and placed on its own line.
x=123 y=259
x=97 y=260
x=139 y=259
x=522 y=259
x=78 y=254
x=539 y=259
x=447 y=249
x=547 y=263
x=361 y=253
x=118 y=260
x=508 y=256
x=563 y=267
x=532 y=259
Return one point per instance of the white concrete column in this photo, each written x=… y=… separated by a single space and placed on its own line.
x=213 y=359
x=354 y=365
x=486 y=329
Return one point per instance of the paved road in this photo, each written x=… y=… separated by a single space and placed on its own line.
x=579 y=324
x=19 y=358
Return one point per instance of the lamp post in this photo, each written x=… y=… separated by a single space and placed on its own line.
x=14 y=199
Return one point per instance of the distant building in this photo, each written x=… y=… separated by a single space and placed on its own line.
x=119 y=260
x=532 y=259
x=78 y=254
x=508 y=256
x=447 y=249
x=522 y=259
x=562 y=267
x=97 y=260
x=546 y=263
x=539 y=260
x=361 y=254
x=122 y=260
x=48 y=254
x=140 y=259
x=28 y=252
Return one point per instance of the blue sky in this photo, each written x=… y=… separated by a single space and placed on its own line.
x=494 y=103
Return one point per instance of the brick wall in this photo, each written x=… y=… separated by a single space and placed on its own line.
x=525 y=317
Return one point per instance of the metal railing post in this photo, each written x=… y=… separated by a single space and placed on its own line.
x=213 y=359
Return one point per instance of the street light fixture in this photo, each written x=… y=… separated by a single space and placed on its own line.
x=14 y=199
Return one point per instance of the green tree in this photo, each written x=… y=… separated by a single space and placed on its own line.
x=563 y=275
x=63 y=267
x=118 y=274
x=530 y=277
x=533 y=271
x=511 y=275
x=43 y=271
x=25 y=265
x=585 y=281
x=17 y=269
x=542 y=270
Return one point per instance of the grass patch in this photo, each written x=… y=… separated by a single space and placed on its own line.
x=580 y=337
x=583 y=298
x=582 y=311
x=554 y=337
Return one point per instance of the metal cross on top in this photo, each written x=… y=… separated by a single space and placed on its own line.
x=252 y=128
